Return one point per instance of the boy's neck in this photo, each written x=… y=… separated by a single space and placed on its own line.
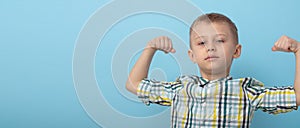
x=211 y=76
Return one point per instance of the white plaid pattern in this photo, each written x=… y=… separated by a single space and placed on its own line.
x=198 y=102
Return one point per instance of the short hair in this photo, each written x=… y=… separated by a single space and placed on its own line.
x=216 y=18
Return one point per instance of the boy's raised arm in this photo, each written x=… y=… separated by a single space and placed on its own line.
x=141 y=67
x=287 y=44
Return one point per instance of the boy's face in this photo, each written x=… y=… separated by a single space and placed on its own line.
x=213 y=47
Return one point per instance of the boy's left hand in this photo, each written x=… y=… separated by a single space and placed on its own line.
x=286 y=44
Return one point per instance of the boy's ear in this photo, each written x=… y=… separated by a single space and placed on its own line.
x=238 y=51
x=191 y=55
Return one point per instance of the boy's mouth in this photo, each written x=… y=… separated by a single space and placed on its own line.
x=211 y=57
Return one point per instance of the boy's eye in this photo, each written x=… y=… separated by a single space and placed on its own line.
x=220 y=41
x=201 y=43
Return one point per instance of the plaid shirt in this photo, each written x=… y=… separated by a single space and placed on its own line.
x=226 y=102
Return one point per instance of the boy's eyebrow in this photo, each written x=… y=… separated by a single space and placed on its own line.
x=197 y=37
x=221 y=34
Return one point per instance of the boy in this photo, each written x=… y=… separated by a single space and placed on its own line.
x=215 y=99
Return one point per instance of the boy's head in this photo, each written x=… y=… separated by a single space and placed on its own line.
x=216 y=18
x=214 y=44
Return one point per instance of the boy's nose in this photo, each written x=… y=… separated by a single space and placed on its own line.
x=210 y=47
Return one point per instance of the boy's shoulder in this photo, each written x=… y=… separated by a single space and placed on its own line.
x=248 y=81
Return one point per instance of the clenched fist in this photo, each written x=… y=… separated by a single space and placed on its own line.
x=162 y=43
x=286 y=44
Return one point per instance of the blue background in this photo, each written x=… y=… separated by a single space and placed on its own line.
x=37 y=39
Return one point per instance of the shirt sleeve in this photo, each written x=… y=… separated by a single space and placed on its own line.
x=273 y=100
x=162 y=93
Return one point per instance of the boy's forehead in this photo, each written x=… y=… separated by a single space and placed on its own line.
x=203 y=29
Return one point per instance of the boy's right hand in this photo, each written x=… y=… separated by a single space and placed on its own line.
x=162 y=43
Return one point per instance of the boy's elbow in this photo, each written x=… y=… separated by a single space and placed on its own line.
x=131 y=87
x=128 y=87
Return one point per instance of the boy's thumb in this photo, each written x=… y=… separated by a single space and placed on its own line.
x=173 y=50
x=274 y=49
x=292 y=48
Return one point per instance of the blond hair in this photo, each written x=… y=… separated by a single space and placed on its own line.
x=216 y=18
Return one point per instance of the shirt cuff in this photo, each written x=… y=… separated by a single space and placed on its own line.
x=143 y=91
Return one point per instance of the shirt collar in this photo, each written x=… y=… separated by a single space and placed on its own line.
x=203 y=81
